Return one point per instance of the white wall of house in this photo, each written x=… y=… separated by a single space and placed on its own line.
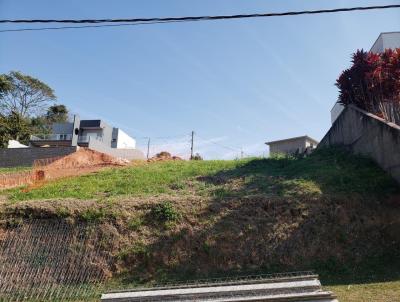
x=386 y=41
x=85 y=135
x=288 y=146
x=292 y=145
x=124 y=141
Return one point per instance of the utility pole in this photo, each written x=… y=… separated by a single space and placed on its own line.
x=241 y=153
x=148 y=148
x=191 y=146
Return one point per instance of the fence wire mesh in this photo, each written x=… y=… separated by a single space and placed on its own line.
x=51 y=261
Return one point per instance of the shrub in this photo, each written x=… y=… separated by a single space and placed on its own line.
x=372 y=83
x=165 y=212
x=93 y=215
x=197 y=156
x=135 y=223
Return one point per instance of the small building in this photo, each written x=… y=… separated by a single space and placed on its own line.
x=294 y=145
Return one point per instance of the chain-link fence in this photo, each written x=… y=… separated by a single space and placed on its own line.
x=50 y=260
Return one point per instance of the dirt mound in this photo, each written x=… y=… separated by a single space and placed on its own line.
x=83 y=161
x=163 y=156
x=86 y=158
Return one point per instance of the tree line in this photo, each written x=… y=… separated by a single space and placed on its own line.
x=27 y=106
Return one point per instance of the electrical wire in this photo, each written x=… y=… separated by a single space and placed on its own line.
x=146 y=21
x=182 y=136
x=82 y=27
x=168 y=19
x=220 y=145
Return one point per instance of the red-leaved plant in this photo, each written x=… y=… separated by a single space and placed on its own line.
x=372 y=83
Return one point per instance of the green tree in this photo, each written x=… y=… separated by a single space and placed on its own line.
x=14 y=126
x=23 y=94
x=5 y=86
x=42 y=124
x=57 y=114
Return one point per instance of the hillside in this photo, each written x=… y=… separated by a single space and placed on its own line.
x=332 y=212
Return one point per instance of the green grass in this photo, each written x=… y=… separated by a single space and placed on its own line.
x=329 y=171
x=14 y=169
x=146 y=180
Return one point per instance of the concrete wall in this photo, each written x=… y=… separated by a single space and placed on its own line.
x=15 y=157
x=364 y=133
x=336 y=111
x=129 y=154
x=107 y=134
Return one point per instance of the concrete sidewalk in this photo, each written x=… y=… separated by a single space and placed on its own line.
x=282 y=289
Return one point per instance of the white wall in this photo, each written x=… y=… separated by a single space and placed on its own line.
x=15 y=144
x=288 y=146
x=385 y=41
x=124 y=141
x=93 y=134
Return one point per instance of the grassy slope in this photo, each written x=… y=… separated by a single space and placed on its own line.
x=329 y=172
x=331 y=199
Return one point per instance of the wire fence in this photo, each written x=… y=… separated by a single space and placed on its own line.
x=50 y=260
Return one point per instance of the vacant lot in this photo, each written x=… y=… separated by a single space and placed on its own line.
x=330 y=172
x=332 y=212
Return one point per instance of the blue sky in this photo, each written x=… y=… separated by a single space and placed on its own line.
x=237 y=84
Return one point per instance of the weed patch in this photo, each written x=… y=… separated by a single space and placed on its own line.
x=165 y=212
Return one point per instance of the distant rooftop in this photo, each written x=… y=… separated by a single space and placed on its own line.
x=294 y=138
x=386 y=40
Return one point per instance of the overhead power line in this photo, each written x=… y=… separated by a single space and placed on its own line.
x=81 y=27
x=220 y=145
x=206 y=18
x=146 y=21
